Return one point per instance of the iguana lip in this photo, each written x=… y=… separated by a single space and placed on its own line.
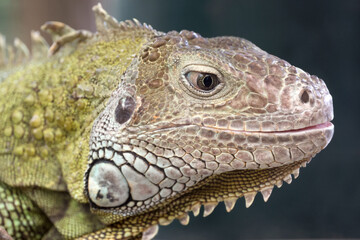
x=314 y=127
x=310 y=128
x=321 y=126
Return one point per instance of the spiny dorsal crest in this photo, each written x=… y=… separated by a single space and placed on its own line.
x=63 y=35
x=106 y=24
x=11 y=55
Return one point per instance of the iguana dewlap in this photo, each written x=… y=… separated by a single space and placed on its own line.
x=106 y=135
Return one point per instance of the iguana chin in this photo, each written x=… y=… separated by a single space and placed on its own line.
x=121 y=130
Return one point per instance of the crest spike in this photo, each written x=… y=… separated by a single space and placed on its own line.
x=150 y=27
x=123 y=25
x=106 y=23
x=184 y=219
x=130 y=23
x=62 y=34
x=196 y=209
x=103 y=20
x=209 y=208
x=22 y=53
x=296 y=173
x=165 y=221
x=2 y=50
x=57 y=29
x=10 y=54
x=137 y=22
x=230 y=203
x=288 y=179
x=150 y=232
x=266 y=192
x=249 y=198
x=39 y=46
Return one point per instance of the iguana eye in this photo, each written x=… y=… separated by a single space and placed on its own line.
x=202 y=81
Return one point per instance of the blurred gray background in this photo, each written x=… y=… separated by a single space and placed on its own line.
x=321 y=37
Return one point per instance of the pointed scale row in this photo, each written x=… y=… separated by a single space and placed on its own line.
x=230 y=202
x=150 y=232
x=18 y=53
x=13 y=54
x=61 y=34
x=105 y=22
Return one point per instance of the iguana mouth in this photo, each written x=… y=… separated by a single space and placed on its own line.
x=226 y=187
x=230 y=186
x=277 y=152
x=167 y=127
x=321 y=126
x=310 y=128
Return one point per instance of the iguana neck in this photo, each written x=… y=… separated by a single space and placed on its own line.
x=54 y=103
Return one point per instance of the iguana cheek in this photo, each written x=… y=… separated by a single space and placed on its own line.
x=112 y=186
x=141 y=188
x=107 y=186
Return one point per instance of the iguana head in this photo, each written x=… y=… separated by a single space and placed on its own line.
x=196 y=121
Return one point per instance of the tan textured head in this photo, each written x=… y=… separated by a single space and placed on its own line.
x=201 y=120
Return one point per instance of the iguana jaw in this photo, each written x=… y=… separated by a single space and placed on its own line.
x=321 y=126
x=309 y=140
x=247 y=161
x=298 y=130
x=228 y=187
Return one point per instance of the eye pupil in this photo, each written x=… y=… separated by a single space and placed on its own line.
x=207 y=81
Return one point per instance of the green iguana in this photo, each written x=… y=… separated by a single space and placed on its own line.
x=106 y=135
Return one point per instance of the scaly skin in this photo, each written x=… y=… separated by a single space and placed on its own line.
x=128 y=128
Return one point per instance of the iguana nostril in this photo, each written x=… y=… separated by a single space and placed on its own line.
x=305 y=97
